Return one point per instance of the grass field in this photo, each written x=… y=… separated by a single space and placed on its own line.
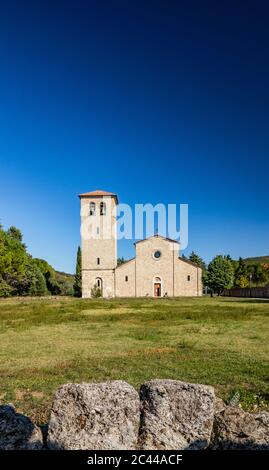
x=223 y=342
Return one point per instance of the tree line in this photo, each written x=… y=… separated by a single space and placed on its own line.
x=223 y=272
x=23 y=275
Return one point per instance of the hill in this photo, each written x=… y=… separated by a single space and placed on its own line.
x=257 y=260
x=58 y=283
x=66 y=281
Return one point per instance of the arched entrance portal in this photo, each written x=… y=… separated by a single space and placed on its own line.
x=99 y=284
x=157 y=287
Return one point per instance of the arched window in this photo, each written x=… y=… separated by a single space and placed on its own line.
x=157 y=279
x=92 y=208
x=99 y=284
x=102 y=208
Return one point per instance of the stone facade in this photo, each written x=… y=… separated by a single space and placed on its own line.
x=156 y=271
x=91 y=278
x=125 y=279
x=98 y=242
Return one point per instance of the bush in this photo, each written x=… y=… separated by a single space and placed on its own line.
x=5 y=289
x=96 y=292
x=37 y=282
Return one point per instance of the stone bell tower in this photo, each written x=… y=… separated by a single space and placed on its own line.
x=98 y=242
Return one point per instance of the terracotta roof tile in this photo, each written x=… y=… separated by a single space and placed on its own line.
x=98 y=193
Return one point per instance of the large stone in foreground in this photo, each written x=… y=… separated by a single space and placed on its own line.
x=237 y=429
x=17 y=432
x=176 y=415
x=94 y=416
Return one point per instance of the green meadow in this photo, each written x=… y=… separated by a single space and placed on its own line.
x=47 y=342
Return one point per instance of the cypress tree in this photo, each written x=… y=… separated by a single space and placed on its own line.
x=77 y=283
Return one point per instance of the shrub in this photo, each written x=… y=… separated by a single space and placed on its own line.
x=96 y=292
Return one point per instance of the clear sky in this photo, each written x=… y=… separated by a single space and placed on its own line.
x=158 y=101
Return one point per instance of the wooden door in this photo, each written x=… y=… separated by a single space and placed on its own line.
x=157 y=289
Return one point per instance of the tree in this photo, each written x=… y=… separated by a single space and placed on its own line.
x=15 y=233
x=220 y=274
x=197 y=260
x=65 y=282
x=58 y=283
x=44 y=267
x=52 y=284
x=37 y=282
x=258 y=274
x=13 y=262
x=120 y=261
x=40 y=283
x=77 y=283
x=20 y=274
x=240 y=273
x=5 y=289
x=243 y=282
x=200 y=262
x=205 y=278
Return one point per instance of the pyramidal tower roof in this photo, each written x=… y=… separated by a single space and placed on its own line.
x=99 y=193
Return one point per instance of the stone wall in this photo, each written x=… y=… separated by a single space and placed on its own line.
x=125 y=288
x=89 y=279
x=183 y=286
x=167 y=415
x=178 y=276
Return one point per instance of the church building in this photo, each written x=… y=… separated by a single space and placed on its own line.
x=157 y=270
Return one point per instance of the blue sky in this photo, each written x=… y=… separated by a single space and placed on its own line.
x=156 y=101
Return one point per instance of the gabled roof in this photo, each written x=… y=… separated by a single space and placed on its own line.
x=99 y=193
x=157 y=236
x=188 y=261
x=125 y=262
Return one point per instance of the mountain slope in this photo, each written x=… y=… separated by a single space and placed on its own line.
x=257 y=259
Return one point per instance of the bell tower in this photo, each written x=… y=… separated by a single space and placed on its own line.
x=98 y=242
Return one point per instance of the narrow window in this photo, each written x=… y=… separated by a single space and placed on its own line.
x=126 y=278
x=189 y=277
x=102 y=208
x=97 y=230
x=98 y=260
x=92 y=208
